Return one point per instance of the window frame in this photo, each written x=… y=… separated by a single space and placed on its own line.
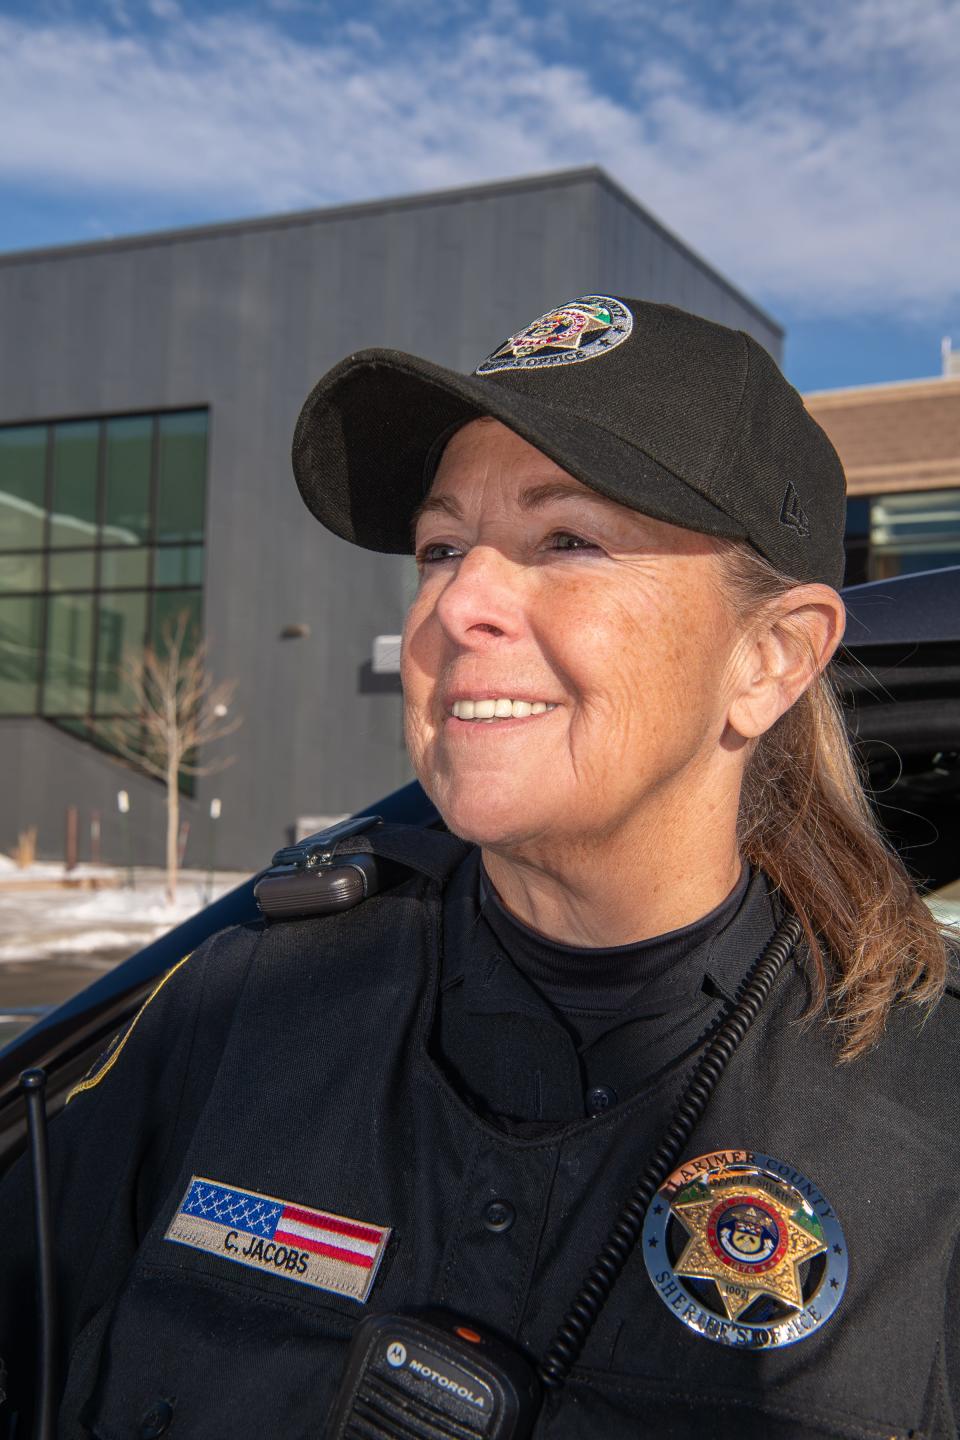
x=151 y=590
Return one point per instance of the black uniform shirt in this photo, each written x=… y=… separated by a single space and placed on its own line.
x=596 y=989
x=291 y=1062
x=536 y=1032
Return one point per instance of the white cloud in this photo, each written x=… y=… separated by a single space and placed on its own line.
x=809 y=152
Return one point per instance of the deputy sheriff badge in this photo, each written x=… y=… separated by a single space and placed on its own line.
x=745 y=1250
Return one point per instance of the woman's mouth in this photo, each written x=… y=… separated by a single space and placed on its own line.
x=499 y=708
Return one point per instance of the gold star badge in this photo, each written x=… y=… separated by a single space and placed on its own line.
x=584 y=328
x=749 y=1238
x=761 y=1259
x=563 y=329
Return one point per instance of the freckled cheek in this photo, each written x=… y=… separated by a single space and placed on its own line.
x=427 y=762
x=419 y=672
x=415 y=730
x=613 y=654
x=641 y=674
x=419 y=654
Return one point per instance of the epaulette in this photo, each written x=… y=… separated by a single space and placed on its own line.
x=323 y=874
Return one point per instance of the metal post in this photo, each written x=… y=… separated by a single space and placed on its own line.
x=211 y=852
x=95 y=837
x=123 y=805
x=70 y=849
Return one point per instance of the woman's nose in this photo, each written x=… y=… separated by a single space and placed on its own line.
x=482 y=598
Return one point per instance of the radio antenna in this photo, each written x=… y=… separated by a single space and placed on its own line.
x=33 y=1083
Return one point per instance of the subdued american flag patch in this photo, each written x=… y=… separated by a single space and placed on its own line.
x=313 y=1247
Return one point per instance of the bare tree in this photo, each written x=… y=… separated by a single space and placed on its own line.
x=176 y=711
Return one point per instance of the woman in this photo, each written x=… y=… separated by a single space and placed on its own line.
x=629 y=538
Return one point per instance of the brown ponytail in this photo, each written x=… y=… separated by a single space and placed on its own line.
x=805 y=820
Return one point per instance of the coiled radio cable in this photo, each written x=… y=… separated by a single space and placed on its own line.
x=570 y=1337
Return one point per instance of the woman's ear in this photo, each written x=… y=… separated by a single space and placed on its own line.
x=791 y=641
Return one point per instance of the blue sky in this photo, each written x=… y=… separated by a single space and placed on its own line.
x=808 y=150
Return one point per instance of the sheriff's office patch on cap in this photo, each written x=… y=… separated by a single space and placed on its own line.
x=580 y=330
x=745 y=1250
x=312 y=1247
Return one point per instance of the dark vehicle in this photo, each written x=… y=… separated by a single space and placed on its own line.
x=899 y=676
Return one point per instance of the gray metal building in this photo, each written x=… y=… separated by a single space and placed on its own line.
x=172 y=367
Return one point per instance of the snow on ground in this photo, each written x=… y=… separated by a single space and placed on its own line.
x=55 y=939
x=43 y=921
x=145 y=903
x=54 y=872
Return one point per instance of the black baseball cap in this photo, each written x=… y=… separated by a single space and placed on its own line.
x=663 y=411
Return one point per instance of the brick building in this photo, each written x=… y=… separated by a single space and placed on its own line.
x=900 y=446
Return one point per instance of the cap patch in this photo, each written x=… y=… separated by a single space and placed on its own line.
x=312 y=1247
x=582 y=329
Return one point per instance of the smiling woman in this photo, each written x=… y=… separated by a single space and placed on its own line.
x=656 y=862
x=533 y=587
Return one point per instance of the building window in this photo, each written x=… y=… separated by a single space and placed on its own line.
x=891 y=535
x=101 y=542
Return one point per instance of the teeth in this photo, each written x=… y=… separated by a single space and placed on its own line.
x=499 y=709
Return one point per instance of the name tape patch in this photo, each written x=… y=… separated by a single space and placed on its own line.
x=312 y=1247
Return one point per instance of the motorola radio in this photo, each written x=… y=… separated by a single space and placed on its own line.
x=432 y=1374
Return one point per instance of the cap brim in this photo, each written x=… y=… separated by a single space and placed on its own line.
x=367 y=430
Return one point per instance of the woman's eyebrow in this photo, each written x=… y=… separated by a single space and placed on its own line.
x=445 y=504
x=535 y=497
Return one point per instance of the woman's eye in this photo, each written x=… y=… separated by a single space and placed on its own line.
x=434 y=553
x=564 y=540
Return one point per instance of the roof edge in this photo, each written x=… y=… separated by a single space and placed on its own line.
x=289 y=219
x=931 y=385
x=648 y=216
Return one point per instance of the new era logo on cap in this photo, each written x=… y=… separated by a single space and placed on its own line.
x=791 y=513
